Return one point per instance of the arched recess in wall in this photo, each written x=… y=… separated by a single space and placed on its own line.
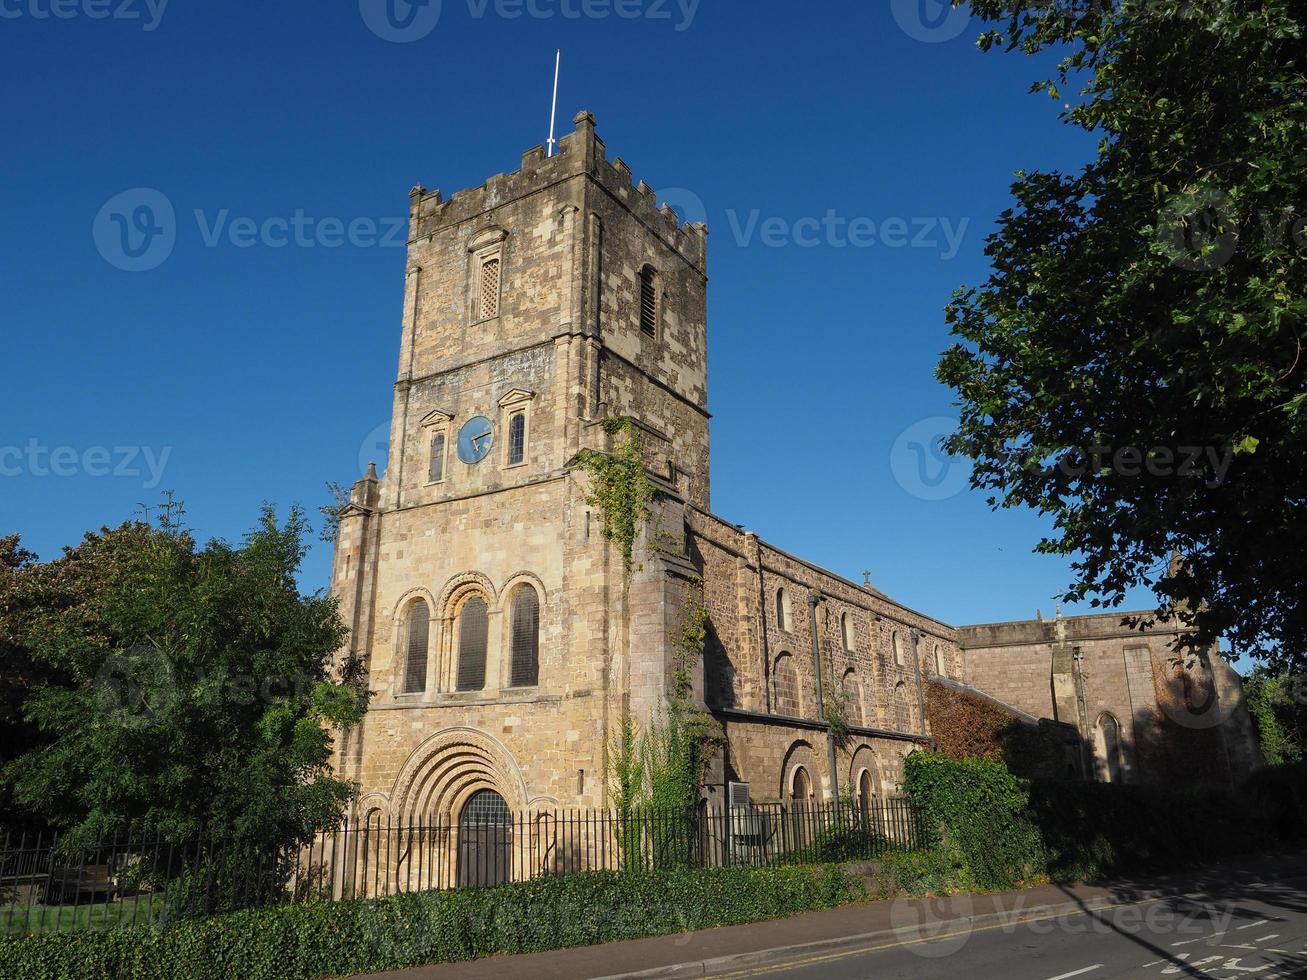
x=800 y=755
x=941 y=664
x=523 y=602
x=846 y=631
x=1107 y=749
x=902 y=707
x=787 y=695
x=864 y=777
x=896 y=645
x=852 y=688
x=408 y=676
x=784 y=621
x=446 y=769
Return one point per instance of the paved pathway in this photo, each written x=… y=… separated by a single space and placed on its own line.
x=1048 y=933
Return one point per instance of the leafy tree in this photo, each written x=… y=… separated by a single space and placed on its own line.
x=178 y=690
x=1150 y=302
x=1278 y=705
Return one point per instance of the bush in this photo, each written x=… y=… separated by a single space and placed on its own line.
x=343 y=938
x=1279 y=797
x=921 y=873
x=974 y=811
x=1095 y=829
x=997 y=831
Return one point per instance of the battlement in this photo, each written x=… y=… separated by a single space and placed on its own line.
x=581 y=152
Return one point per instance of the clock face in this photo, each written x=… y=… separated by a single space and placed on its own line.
x=475 y=439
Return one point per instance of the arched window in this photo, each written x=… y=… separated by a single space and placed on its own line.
x=526 y=638
x=782 y=610
x=517 y=439
x=941 y=668
x=1107 y=748
x=473 y=631
x=800 y=785
x=649 y=301
x=896 y=641
x=417 y=629
x=846 y=631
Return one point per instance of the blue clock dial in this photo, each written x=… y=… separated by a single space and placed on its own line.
x=475 y=439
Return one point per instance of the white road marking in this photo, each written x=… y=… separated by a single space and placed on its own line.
x=1078 y=973
x=1267 y=939
x=1254 y=925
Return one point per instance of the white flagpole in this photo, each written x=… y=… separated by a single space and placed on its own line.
x=553 y=113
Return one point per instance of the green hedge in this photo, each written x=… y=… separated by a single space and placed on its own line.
x=974 y=812
x=342 y=938
x=996 y=831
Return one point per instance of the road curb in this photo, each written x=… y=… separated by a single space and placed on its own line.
x=782 y=954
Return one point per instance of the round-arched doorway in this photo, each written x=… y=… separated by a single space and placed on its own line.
x=485 y=840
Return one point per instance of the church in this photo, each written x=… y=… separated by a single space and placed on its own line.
x=506 y=636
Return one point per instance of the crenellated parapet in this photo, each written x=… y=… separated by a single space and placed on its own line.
x=581 y=152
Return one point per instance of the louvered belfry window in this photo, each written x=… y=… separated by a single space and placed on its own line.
x=416 y=633
x=473 y=630
x=516 y=439
x=648 y=301
x=526 y=638
x=490 y=288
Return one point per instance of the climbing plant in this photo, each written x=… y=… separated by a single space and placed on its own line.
x=621 y=490
x=658 y=770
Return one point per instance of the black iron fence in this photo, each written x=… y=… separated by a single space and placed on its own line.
x=46 y=886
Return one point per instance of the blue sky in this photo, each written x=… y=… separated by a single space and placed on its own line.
x=850 y=159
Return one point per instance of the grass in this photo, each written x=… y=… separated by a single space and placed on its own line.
x=18 y=919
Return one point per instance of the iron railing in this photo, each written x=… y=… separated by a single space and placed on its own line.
x=46 y=886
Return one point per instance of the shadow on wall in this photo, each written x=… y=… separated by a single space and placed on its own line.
x=1185 y=740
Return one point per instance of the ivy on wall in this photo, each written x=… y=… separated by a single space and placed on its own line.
x=621 y=490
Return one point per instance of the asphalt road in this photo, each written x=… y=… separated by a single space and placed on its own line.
x=1235 y=932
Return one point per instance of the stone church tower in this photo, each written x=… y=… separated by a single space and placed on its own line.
x=504 y=635
x=501 y=632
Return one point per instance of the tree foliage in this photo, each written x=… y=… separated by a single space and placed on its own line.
x=1278 y=705
x=170 y=687
x=1153 y=303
